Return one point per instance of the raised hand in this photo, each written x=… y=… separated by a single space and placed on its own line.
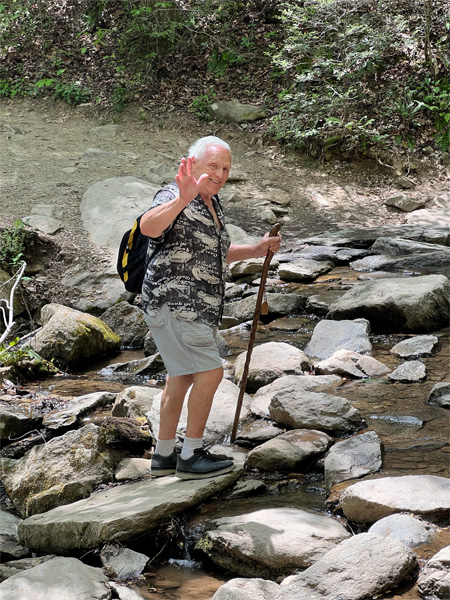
x=188 y=185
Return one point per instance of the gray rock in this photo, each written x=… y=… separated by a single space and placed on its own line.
x=9 y=538
x=148 y=366
x=426 y=496
x=289 y=451
x=257 y=432
x=440 y=394
x=77 y=408
x=364 y=566
x=403 y=202
x=271 y=542
x=133 y=468
x=422 y=263
x=401 y=246
x=55 y=579
x=417 y=304
x=409 y=372
x=13 y=567
x=260 y=402
x=247 y=589
x=270 y=361
x=432 y=217
x=251 y=266
x=123 y=197
x=94 y=292
x=162 y=174
x=351 y=364
x=312 y=410
x=353 y=458
x=421 y=345
x=69 y=336
x=329 y=336
x=319 y=304
x=122 y=563
x=128 y=322
x=407 y=529
x=13 y=423
x=235 y=112
x=434 y=580
x=134 y=401
x=118 y=514
x=124 y=592
x=279 y=305
x=304 y=269
x=43 y=223
x=220 y=419
x=61 y=471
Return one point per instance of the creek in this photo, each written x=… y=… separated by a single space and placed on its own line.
x=414 y=435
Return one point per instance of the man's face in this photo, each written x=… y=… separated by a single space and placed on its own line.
x=216 y=163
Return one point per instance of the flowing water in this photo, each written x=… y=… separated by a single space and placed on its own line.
x=414 y=435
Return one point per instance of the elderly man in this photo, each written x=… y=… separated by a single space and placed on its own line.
x=183 y=296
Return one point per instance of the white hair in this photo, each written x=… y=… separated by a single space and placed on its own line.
x=198 y=148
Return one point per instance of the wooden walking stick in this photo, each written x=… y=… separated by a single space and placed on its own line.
x=273 y=232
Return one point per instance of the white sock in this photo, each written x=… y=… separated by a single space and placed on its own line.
x=189 y=445
x=165 y=447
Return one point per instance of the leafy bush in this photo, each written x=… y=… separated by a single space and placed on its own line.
x=12 y=245
x=340 y=58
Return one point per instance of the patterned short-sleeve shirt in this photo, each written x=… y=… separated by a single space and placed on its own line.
x=186 y=265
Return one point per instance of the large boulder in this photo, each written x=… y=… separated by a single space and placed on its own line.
x=59 y=472
x=314 y=410
x=271 y=542
x=426 y=496
x=330 y=336
x=69 y=336
x=128 y=322
x=278 y=305
x=409 y=530
x=270 y=361
x=414 y=304
x=364 y=566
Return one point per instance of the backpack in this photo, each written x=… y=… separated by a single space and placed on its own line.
x=132 y=258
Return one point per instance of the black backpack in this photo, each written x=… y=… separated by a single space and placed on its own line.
x=132 y=258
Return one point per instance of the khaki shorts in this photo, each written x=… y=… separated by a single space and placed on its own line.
x=186 y=347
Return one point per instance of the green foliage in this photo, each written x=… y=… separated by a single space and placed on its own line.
x=13 y=241
x=200 y=104
x=13 y=355
x=339 y=58
x=119 y=98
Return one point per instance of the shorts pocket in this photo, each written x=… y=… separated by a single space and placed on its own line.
x=158 y=320
x=197 y=335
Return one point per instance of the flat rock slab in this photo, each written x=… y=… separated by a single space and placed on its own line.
x=427 y=496
x=57 y=579
x=119 y=513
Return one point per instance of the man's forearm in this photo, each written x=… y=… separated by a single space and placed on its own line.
x=157 y=219
x=243 y=251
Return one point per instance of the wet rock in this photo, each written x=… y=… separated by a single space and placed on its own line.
x=409 y=372
x=243 y=489
x=279 y=305
x=304 y=269
x=271 y=542
x=134 y=401
x=148 y=366
x=124 y=592
x=421 y=345
x=319 y=304
x=13 y=423
x=133 y=468
x=260 y=402
x=353 y=458
x=69 y=336
x=149 y=345
x=118 y=514
x=66 y=578
x=361 y=567
x=61 y=471
x=330 y=336
x=256 y=433
x=9 y=538
x=417 y=304
x=426 y=496
x=404 y=203
x=76 y=409
x=437 y=233
x=247 y=589
x=127 y=321
x=289 y=451
x=407 y=529
x=434 y=580
x=13 y=567
x=429 y=262
x=440 y=394
x=270 y=361
x=221 y=417
x=234 y=111
x=400 y=247
x=122 y=563
x=251 y=266
x=312 y=410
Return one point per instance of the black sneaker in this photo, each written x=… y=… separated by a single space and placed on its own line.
x=203 y=465
x=163 y=465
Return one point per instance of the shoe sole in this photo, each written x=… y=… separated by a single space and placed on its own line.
x=190 y=475
x=162 y=472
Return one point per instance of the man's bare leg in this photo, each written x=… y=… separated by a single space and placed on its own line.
x=172 y=405
x=200 y=400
